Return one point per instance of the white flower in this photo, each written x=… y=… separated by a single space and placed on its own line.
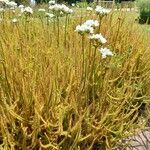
x=21 y=6
x=68 y=10
x=2 y=9
x=92 y=23
x=41 y=10
x=14 y=20
x=61 y=13
x=52 y=2
x=84 y=29
x=58 y=9
x=89 y=8
x=2 y=0
x=105 y=52
x=11 y=4
x=49 y=15
x=102 y=11
x=98 y=8
x=27 y=10
x=99 y=38
x=73 y=4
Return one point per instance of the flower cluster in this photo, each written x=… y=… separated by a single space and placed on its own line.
x=51 y=2
x=2 y=9
x=12 y=5
x=82 y=29
x=60 y=9
x=89 y=8
x=14 y=20
x=102 y=11
x=92 y=23
x=73 y=4
x=21 y=6
x=27 y=10
x=87 y=27
x=49 y=15
x=4 y=1
x=105 y=52
x=98 y=38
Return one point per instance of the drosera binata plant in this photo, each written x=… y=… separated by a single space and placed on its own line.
x=89 y=11
x=48 y=102
x=27 y=12
x=83 y=29
x=60 y=10
x=12 y=6
x=97 y=41
x=41 y=15
x=101 y=12
x=49 y=17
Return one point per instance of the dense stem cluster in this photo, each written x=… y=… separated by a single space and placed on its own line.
x=70 y=80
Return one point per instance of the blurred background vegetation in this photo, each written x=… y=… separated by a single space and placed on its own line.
x=144 y=8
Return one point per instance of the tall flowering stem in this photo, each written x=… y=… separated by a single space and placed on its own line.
x=94 y=58
x=92 y=72
x=84 y=29
x=42 y=22
x=58 y=31
x=27 y=11
x=59 y=10
x=54 y=25
x=3 y=14
x=101 y=12
x=83 y=56
x=100 y=20
x=97 y=40
x=65 y=34
x=9 y=13
x=92 y=77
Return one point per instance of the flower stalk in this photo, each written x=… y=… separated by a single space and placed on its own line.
x=58 y=31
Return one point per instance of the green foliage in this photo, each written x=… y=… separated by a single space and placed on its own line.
x=24 y=2
x=144 y=7
x=82 y=4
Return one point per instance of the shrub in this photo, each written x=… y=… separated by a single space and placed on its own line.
x=144 y=7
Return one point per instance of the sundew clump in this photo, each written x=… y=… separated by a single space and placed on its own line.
x=72 y=76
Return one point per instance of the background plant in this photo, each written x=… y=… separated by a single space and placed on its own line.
x=144 y=7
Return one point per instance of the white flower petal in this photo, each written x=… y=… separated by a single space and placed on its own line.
x=105 y=52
